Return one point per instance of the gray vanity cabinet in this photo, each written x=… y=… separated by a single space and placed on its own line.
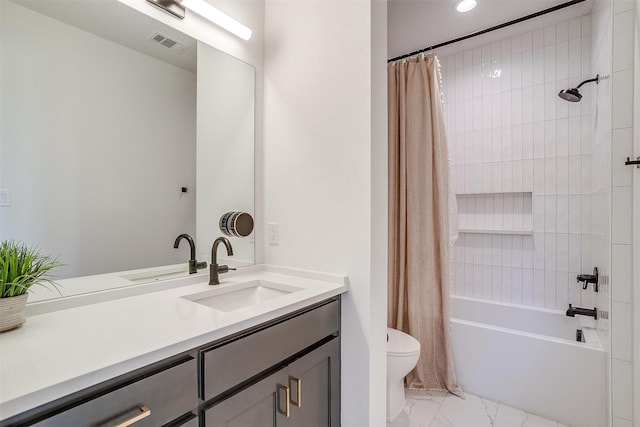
x=301 y=394
x=281 y=373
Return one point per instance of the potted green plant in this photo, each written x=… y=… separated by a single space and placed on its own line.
x=21 y=267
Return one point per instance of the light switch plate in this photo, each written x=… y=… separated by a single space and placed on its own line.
x=273 y=233
x=5 y=198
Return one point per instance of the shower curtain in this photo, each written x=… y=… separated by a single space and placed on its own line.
x=419 y=273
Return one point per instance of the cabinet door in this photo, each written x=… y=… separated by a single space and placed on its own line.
x=314 y=383
x=256 y=406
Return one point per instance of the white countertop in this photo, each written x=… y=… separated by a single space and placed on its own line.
x=60 y=352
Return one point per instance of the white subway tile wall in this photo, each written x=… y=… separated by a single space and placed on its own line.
x=621 y=253
x=522 y=161
x=599 y=138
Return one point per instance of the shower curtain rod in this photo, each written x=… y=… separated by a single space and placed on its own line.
x=497 y=27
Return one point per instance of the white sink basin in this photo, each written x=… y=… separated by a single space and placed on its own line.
x=243 y=295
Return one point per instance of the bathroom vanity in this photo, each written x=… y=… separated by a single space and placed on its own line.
x=275 y=361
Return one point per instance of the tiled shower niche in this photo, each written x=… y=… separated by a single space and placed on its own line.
x=495 y=213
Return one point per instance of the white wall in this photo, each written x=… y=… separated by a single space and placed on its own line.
x=635 y=249
x=80 y=154
x=521 y=158
x=379 y=213
x=600 y=174
x=323 y=139
x=622 y=255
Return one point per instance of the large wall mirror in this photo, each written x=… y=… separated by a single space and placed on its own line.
x=119 y=133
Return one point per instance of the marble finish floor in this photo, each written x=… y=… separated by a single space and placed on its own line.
x=440 y=409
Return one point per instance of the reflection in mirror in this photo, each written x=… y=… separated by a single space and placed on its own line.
x=100 y=129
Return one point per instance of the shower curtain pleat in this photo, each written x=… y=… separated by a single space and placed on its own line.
x=419 y=275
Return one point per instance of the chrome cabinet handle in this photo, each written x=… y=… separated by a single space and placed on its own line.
x=144 y=413
x=298 y=382
x=280 y=387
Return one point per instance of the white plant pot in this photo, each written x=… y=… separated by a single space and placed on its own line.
x=12 y=312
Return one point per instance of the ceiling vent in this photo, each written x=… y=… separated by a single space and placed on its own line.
x=168 y=43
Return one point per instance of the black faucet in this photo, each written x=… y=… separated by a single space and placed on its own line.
x=193 y=264
x=214 y=268
x=589 y=278
x=572 y=311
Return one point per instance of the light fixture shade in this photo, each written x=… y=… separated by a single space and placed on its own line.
x=204 y=9
x=465 y=5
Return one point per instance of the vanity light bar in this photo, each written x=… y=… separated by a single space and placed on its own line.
x=218 y=17
x=204 y=9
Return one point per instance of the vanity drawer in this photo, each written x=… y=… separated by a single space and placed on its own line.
x=229 y=364
x=166 y=395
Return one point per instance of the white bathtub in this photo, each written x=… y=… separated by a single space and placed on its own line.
x=528 y=358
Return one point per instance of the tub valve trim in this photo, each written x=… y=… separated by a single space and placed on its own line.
x=589 y=278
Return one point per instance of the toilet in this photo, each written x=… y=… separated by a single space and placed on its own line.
x=403 y=352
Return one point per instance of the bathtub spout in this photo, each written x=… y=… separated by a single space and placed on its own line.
x=572 y=311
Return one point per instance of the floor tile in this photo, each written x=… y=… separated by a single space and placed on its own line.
x=510 y=417
x=422 y=411
x=441 y=409
x=470 y=412
x=420 y=408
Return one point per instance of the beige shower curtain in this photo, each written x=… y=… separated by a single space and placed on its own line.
x=419 y=245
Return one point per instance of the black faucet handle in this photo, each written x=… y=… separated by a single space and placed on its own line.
x=589 y=278
x=224 y=268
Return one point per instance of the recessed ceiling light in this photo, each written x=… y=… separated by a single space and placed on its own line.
x=465 y=5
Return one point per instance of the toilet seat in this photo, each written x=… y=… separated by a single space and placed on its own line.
x=401 y=344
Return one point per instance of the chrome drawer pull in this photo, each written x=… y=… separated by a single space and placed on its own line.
x=145 y=412
x=284 y=412
x=298 y=381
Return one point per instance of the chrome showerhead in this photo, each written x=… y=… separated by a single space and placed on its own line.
x=573 y=94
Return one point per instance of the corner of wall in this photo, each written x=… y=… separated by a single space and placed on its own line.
x=379 y=211
x=322 y=171
x=624 y=27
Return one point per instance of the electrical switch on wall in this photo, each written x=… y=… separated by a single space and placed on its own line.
x=273 y=233
x=5 y=197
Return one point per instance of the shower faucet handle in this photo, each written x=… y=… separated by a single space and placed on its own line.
x=633 y=162
x=589 y=278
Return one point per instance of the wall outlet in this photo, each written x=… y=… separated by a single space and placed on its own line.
x=273 y=233
x=5 y=198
